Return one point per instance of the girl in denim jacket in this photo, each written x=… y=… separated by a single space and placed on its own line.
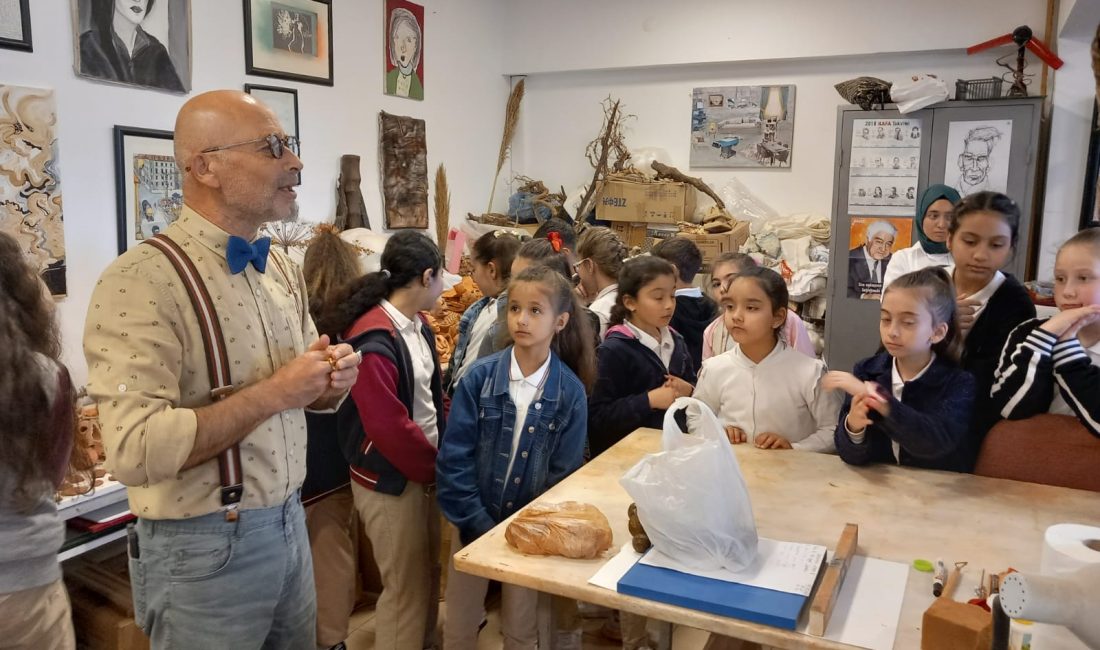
x=517 y=426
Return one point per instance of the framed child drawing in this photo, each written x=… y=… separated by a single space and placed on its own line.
x=404 y=49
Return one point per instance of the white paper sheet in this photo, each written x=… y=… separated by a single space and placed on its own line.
x=610 y=573
x=869 y=604
x=780 y=566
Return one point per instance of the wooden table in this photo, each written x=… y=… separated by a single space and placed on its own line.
x=902 y=514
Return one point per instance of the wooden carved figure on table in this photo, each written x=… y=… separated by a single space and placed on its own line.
x=351 y=210
x=638 y=537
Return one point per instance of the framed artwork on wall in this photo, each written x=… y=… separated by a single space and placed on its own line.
x=284 y=101
x=30 y=181
x=15 y=25
x=161 y=37
x=289 y=39
x=1090 y=199
x=742 y=126
x=404 y=54
x=149 y=186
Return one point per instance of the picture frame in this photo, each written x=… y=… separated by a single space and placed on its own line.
x=403 y=37
x=289 y=39
x=16 y=34
x=1090 y=197
x=163 y=62
x=284 y=101
x=148 y=184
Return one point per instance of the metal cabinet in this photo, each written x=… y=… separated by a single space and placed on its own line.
x=971 y=143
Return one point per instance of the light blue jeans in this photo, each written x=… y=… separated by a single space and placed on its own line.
x=209 y=583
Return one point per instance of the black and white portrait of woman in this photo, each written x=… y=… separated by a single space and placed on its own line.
x=143 y=43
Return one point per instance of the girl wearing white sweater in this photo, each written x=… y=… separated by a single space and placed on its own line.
x=763 y=391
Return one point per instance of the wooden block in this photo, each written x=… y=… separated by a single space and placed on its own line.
x=951 y=625
x=821 y=608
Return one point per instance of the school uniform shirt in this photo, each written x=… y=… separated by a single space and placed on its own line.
x=1040 y=374
x=782 y=394
x=485 y=319
x=912 y=259
x=423 y=365
x=523 y=391
x=717 y=339
x=985 y=293
x=663 y=348
x=602 y=304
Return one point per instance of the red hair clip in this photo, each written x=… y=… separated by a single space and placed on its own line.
x=555 y=240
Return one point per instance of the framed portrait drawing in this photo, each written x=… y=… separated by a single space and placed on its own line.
x=289 y=39
x=284 y=101
x=15 y=25
x=404 y=56
x=134 y=42
x=149 y=186
x=1090 y=200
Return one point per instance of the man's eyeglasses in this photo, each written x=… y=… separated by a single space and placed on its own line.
x=274 y=143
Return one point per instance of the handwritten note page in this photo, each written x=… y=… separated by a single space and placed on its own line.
x=780 y=566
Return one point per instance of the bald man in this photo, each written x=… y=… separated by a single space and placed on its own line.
x=211 y=567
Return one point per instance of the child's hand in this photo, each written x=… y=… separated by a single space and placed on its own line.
x=736 y=435
x=662 y=398
x=681 y=387
x=1066 y=324
x=967 y=307
x=857 y=420
x=875 y=399
x=845 y=381
x=771 y=441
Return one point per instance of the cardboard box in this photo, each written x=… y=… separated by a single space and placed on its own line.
x=102 y=606
x=711 y=246
x=621 y=200
x=642 y=234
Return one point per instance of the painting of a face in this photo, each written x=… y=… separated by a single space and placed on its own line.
x=404 y=44
x=132 y=10
x=974 y=161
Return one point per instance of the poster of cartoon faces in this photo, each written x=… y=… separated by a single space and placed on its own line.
x=884 y=165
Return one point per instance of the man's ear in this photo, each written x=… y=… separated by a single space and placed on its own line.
x=201 y=169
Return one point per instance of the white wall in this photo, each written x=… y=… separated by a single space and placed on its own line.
x=464 y=105
x=1074 y=95
x=566 y=35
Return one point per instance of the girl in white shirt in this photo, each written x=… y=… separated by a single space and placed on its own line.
x=763 y=391
x=601 y=254
x=934 y=211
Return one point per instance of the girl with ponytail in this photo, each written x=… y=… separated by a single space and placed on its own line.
x=390 y=428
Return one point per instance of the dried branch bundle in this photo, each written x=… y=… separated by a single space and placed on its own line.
x=511 y=119
x=442 y=207
x=598 y=152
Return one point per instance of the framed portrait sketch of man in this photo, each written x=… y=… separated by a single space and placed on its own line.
x=289 y=39
x=144 y=43
x=15 y=25
x=149 y=185
x=404 y=49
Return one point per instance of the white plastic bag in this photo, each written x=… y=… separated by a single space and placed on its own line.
x=691 y=497
x=917 y=92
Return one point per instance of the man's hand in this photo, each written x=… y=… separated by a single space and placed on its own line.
x=344 y=361
x=302 y=381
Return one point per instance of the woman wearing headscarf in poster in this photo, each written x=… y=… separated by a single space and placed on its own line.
x=405 y=46
x=116 y=48
x=934 y=211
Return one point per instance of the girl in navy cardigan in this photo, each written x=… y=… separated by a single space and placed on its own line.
x=517 y=427
x=911 y=404
x=1053 y=365
x=642 y=364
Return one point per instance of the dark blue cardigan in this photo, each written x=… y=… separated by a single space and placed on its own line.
x=626 y=371
x=931 y=422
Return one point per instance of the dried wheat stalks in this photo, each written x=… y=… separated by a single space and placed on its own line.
x=442 y=207
x=511 y=118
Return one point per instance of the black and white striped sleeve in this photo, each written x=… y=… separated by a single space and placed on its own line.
x=1079 y=380
x=1023 y=384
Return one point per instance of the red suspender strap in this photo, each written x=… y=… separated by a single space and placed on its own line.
x=217 y=362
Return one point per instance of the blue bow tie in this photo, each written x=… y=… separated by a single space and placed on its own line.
x=239 y=253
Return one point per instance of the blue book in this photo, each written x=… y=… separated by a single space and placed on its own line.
x=777 y=608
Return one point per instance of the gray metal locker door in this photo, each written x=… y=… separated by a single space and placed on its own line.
x=984 y=123
x=851 y=324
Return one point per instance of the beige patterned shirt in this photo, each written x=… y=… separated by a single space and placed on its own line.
x=147 y=371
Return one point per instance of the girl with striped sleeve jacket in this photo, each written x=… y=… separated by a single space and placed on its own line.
x=1053 y=365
